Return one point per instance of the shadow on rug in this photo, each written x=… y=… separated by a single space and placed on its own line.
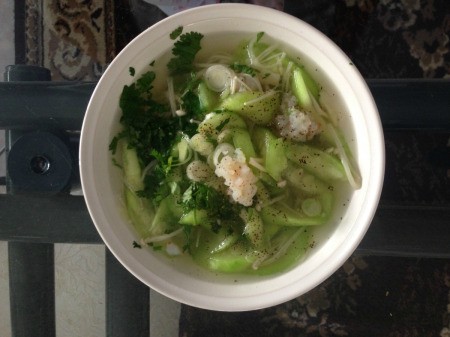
x=368 y=296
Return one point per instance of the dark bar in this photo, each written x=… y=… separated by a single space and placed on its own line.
x=32 y=289
x=46 y=105
x=395 y=230
x=408 y=231
x=412 y=104
x=127 y=302
x=41 y=219
x=404 y=104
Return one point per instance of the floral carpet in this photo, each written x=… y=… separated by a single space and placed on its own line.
x=384 y=38
x=370 y=296
x=74 y=39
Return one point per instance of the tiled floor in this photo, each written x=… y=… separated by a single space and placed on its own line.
x=79 y=269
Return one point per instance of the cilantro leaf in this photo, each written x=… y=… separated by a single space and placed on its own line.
x=176 y=32
x=259 y=36
x=200 y=196
x=191 y=103
x=145 y=82
x=145 y=126
x=184 y=51
x=222 y=124
x=243 y=68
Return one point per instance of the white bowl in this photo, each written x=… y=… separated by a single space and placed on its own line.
x=180 y=279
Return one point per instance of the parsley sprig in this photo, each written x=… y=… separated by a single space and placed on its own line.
x=148 y=124
x=184 y=51
x=201 y=196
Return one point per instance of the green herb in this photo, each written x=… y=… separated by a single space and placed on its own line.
x=155 y=247
x=187 y=232
x=116 y=163
x=153 y=189
x=144 y=120
x=184 y=52
x=152 y=63
x=190 y=103
x=200 y=196
x=114 y=143
x=177 y=32
x=132 y=71
x=243 y=68
x=145 y=82
x=222 y=124
x=165 y=163
x=259 y=36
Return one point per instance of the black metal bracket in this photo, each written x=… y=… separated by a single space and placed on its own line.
x=397 y=229
x=42 y=122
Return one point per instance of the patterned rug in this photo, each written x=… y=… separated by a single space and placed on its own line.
x=370 y=296
x=74 y=39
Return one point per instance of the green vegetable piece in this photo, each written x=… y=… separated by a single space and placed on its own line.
x=319 y=163
x=272 y=150
x=227 y=241
x=259 y=139
x=311 y=84
x=270 y=230
x=297 y=242
x=300 y=89
x=234 y=258
x=205 y=242
x=267 y=179
x=215 y=122
x=282 y=215
x=260 y=47
x=304 y=181
x=195 y=217
x=256 y=106
x=140 y=212
x=131 y=168
x=254 y=227
x=200 y=143
x=181 y=150
x=241 y=140
x=208 y=98
x=275 y=158
x=166 y=216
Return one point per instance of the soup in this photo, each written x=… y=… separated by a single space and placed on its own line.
x=233 y=159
